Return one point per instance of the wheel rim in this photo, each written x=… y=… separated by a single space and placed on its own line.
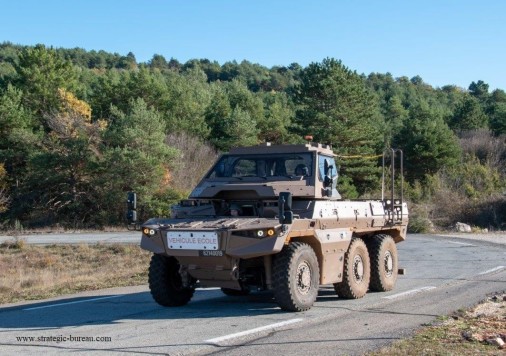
x=358 y=268
x=303 y=277
x=389 y=264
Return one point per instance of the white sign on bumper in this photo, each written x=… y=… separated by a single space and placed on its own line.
x=192 y=240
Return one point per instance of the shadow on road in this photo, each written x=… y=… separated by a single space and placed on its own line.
x=110 y=309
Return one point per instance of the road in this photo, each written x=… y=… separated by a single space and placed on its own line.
x=120 y=237
x=443 y=275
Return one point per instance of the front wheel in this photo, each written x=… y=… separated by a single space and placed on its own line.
x=357 y=271
x=165 y=282
x=384 y=269
x=296 y=277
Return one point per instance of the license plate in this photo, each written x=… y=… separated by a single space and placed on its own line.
x=192 y=240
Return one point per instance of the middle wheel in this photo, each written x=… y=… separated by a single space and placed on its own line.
x=357 y=271
x=296 y=277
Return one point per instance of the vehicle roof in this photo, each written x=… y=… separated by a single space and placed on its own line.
x=297 y=148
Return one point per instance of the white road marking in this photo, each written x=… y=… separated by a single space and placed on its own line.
x=75 y=302
x=252 y=331
x=208 y=288
x=492 y=270
x=409 y=292
x=460 y=243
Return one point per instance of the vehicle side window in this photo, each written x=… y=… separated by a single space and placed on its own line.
x=245 y=168
x=299 y=166
x=321 y=166
x=278 y=165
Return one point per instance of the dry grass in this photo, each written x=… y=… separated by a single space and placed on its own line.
x=35 y=272
x=466 y=332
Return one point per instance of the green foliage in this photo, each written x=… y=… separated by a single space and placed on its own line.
x=135 y=157
x=18 y=137
x=188 y=96
x=428 y=143
x=275 y=124
x=473 y=179
x=479 y=90
x=469 y=115
x=232 y=116
x=419 y=222
x=346 y=188
x=40 y=73
x=67 y=193
x=336 y=107
x=497 y=112
x=395 y=117
x=4 y=198
x=102 y=124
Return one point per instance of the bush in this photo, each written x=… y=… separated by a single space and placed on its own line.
x=419 y=221
x=195 y=158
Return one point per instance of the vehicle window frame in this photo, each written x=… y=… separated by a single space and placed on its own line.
x=271 y=165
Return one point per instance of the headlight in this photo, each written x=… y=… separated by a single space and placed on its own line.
x=259 y=234
x=149 y=232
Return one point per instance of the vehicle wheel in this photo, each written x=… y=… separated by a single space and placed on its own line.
x=165 y=282
x=384 y=268
x=235 y=292
x=357 y=271
x=296 y=277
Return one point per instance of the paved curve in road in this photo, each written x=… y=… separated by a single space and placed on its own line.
x=443 y=274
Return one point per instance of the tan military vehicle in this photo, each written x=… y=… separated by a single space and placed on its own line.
x=269 y=217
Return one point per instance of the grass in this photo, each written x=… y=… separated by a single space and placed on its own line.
x=465 y=332
x=29 y=272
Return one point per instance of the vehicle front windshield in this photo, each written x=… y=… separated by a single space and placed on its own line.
x=272 y=165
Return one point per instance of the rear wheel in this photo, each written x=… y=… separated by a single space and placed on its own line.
x=357 y=271
x=384 y=268
x=296 y=277
x=165 y=282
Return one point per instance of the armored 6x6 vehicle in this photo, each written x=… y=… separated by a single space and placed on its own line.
x=269 y=217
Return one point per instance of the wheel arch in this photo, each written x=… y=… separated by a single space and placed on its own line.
x=329 y=246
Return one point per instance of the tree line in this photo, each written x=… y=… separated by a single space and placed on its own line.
x=80 y=128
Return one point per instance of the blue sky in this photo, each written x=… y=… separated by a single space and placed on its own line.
x=445 y=41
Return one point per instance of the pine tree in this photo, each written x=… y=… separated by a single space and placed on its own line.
x=336 y=107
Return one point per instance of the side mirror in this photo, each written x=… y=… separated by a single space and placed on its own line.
x=132 y=216
x=132 y=201
x=285 y=208
x=328 y=179
x=131 y=207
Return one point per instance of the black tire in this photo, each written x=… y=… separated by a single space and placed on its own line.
x=357 y=271
x=235 y=292
x=296 y=277
x=384 y=264
x=165 y=282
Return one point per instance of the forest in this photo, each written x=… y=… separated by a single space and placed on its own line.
x=81 y=128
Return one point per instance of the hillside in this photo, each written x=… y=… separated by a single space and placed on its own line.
x=80 y=128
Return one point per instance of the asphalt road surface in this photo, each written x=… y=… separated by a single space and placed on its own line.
x=121 y=237
x=443 y=275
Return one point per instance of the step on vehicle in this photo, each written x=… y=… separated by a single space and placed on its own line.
x=269 y=217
